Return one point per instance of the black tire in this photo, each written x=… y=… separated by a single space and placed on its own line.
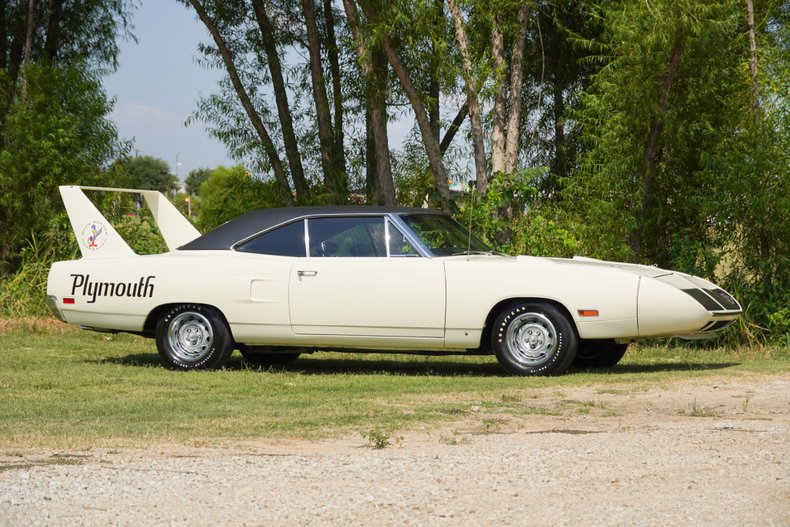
x=534 y=338
x=599 y=353
x=259 y=358
x=193 y=337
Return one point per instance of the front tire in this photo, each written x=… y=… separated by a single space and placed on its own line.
x=599 y=353
x=534 y=338
x=193 y=337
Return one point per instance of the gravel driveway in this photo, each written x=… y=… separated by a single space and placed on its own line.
x=712 y=452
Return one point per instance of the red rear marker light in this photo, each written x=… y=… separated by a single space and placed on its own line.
x=68 y=300
x=588 y=312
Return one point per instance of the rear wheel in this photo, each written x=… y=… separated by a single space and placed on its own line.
x=193 y=337
x=534 y=338
x=599 y=353
x=260 y=358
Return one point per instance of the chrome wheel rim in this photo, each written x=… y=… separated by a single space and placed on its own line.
x=531 y=339
x=190 y=336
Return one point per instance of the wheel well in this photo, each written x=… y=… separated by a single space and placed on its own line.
x=149 y=328
x=485 y=338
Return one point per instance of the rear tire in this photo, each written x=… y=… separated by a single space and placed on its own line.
x=599 y=353
x=193 y=337
x=534 y=338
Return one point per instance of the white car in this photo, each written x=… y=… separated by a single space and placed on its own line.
x=279 y=282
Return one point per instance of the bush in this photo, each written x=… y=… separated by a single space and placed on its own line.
x=230 y=192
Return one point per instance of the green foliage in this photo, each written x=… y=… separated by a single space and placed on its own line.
x=683 y=168
x=147 y=173
x=139 y=231
x=230 y=192
x=195 y=179
x=22 y=294
x=57 y=133
x=514 y=219
x=377 y=438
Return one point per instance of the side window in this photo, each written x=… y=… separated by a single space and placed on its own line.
x=356 y=237
x=283 y=241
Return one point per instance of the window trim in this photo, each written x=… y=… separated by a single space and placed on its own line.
x=412 y=238
x=390 y=218
x=248 y=239
x=330 y=216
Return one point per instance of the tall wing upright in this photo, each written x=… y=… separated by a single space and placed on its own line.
x=97 y=237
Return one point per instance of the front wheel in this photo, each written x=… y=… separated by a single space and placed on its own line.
x=534 y=338
x=193 y=337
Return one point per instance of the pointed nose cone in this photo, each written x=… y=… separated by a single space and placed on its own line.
x=664 y=310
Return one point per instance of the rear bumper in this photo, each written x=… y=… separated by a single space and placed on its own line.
x=52 y=304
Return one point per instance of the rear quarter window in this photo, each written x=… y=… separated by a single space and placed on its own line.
x=283 y=241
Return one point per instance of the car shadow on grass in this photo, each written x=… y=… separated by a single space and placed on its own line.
x=670 y=366
x=419 y=365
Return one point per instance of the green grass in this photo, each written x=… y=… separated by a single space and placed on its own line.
x=69 y=388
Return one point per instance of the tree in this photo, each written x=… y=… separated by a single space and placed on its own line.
x=687 y=160
x=57 y=135
x=331 y=147
x=249 y=40
x=267 y=33
x=54 y=126
x=507 y=102
x=230 y=192
x=381 y=186
x=213 y=23
x=194 y=179
x=472 y=90
x=416 y=100
x=148 y=173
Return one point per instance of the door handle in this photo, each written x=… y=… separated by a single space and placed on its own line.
x=301 y=274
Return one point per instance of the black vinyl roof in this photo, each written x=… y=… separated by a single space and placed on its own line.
x=257 y=221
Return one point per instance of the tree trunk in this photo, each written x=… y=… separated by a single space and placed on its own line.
x=334 y=177
x=281 y=98
x=753 y=56
x=372 y=194
x=434 y=89
x=498 y=119
x=241 y=92
x=18 y=33
x=516 y=76
x=558 y=165
x=52 y=40
x=374 y=70
x=475 y=118
x=4 y=32
x=31 y=25
x=454 y=126
x=429 y=141
x=654 y=134
x=337 y=93
x=378 y=116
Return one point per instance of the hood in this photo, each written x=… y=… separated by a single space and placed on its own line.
x=583 y=262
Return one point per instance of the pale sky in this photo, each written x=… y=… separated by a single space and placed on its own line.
x=159 y=82
x=157 y=85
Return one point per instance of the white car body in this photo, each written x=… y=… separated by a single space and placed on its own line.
x=417 y=302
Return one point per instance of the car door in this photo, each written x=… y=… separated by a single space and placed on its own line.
x=354 y=283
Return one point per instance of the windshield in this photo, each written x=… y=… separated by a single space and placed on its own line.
x=443 y=235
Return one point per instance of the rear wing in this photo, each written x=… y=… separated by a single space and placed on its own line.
x=97 y=238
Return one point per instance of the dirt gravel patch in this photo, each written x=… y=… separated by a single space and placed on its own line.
x=703 y=452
